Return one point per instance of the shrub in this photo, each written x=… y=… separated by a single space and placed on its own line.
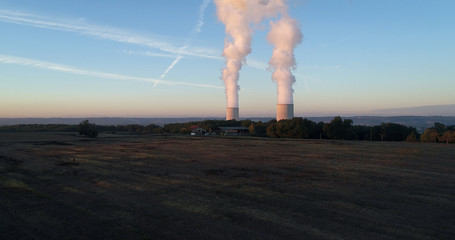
x=87 y=129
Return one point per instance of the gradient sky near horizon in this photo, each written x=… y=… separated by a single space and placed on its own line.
x=162 y=58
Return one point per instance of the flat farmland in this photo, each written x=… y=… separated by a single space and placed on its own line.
x=63 y=186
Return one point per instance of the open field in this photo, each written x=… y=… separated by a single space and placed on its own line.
x=62 y=186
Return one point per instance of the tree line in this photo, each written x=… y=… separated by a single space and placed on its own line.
x=84 y=128
x=337 y=128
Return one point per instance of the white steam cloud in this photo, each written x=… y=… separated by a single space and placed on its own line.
x=238 y=16
x=234 y=15
x=284 y=35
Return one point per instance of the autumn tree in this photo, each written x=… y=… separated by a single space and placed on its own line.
x=429 y=135
x=447 y=137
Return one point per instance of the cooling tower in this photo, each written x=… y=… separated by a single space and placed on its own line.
x=232 y=114
x=284 y=111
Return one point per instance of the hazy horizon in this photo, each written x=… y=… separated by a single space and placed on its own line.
x=432 y=110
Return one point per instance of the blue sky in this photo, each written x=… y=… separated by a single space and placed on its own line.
x=109 y=58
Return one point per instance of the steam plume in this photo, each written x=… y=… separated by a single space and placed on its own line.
x=284 y=35
x=233 y=13
x=238 y=16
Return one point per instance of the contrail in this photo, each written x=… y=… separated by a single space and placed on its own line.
x=62 y=68
x=102 y=32
x=195 y=31
x=201 y=14
x=171 y=66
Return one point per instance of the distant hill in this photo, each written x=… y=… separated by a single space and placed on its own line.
x=432 y=110
x=419 y=122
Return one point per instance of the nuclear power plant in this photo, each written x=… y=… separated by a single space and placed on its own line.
x=284 y=111
x=240 y=18
x=232 y=114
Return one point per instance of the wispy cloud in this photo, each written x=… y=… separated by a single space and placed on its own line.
x=6 y=59
x=163 y=48
x=193 y=34
x=103 y=32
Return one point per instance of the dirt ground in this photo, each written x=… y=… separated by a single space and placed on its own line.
x=63 y=186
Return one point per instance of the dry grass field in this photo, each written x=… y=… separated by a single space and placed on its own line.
x=62 y=186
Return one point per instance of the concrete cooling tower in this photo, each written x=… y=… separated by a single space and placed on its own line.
x=232 y=114
x=284 y=111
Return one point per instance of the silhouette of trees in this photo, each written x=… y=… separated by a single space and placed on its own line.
x=87 y=129
x=360 y=132
x=286 y=129
x=339 y=128
x=258 y=129
x=412 y=137
x=396 y=132
x=439 y=127
x=294 y=128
